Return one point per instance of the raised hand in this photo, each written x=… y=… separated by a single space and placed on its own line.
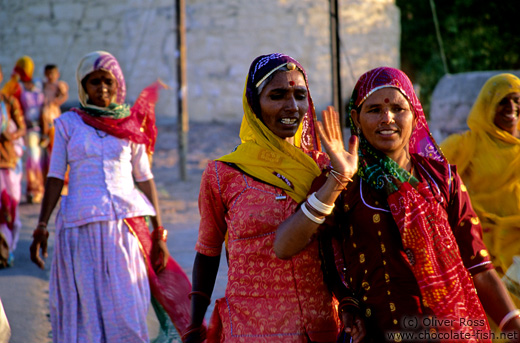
x=344 y=162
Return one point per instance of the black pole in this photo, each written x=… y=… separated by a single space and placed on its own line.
x=337 y=99
x=182 y=91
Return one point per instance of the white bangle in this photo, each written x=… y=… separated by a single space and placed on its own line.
x=320 y=206
x=311 y=216
x=507 y=318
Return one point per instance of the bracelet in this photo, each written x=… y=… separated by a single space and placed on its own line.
x=309 y=207
x=202 y=294
x=507 y=318
x=42 y=224
x=311 y=216
x=201 y=330
x=337 y=175
x=348 y=302
x=320 y=206
x=40 y=233
x=160 y=233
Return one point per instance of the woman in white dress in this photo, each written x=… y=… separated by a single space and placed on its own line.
x=99 y=287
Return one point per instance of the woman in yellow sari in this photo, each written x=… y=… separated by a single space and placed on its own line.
x=488 y=160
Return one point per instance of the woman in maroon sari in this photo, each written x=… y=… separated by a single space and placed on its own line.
x=403 y=247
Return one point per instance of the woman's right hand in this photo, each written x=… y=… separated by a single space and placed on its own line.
x=354 y=326
x=40 y=236
x=344 y=162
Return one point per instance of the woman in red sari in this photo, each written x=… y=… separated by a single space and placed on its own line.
x=403 y=246
x=244 y=196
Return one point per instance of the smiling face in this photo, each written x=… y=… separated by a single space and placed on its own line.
x=284 y=102
x=101 y=88
x=387 y=121
x=506 y=113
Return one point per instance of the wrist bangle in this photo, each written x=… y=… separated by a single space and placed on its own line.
x=160 y=233
x=202 y=294
x=320 y=206
x=343 y=180
x=311 y=216
x=507 y=318
x=40 y=233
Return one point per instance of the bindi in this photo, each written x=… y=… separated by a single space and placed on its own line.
x=387 y=100
x=291 y=83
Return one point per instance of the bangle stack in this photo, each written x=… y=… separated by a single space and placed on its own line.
x=348 y=303
x=317 y=206
x=160 y=233
x=340 y=178
x=507 y=318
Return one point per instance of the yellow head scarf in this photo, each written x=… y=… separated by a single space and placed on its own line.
x=266 y=156
x=23 y=71
x=488 y=160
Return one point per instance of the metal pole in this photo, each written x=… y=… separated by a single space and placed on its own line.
x=182 y=92
x=337 y=99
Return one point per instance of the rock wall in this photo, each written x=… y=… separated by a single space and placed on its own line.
x=223 y=37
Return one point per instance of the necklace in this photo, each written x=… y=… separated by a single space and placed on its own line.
x=101 y=134
x=411 y=174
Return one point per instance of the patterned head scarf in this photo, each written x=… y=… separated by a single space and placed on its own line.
x=100 y=60
x=266 y=156
x=376 y=168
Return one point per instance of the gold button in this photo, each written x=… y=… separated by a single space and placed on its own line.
x=362 y=258
x=354 y=245
x=377 y=203
x=475 y=220
x=365 y=298
x=395 y=322
x=368 y=312
x=346 y=207
x=365 y=285
x=376 y=218
x=383 y=249
x=379 y=233
x=392 y=307
x=387 y=277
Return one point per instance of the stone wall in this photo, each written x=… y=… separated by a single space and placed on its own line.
x=223 y=37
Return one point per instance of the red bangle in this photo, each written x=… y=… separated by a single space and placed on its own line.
x=160 y=233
